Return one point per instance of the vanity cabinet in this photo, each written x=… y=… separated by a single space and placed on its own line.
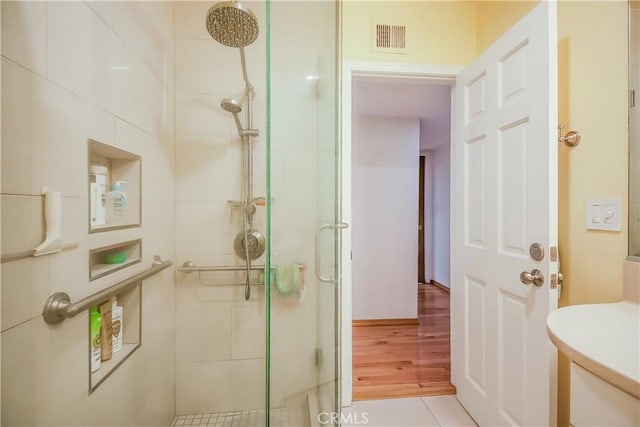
x=595 y=402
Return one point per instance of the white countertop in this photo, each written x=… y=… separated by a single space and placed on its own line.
x=602 y=338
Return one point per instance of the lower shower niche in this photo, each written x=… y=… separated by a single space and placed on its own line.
x=131 y=329
x=107 y=259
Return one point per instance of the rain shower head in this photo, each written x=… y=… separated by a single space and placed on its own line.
x=232 y=24
x=231 y=106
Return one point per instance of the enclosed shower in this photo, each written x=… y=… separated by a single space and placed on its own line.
x=259 y=286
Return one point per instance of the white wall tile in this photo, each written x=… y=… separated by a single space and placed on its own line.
x=82 y=50
x=158 y=164
x=25 y=287
x=198 y=67
x=45 y=132
x=38 y=361
x=69 y=270
x=90 y=59
x=27 y=283
x=296 y=325
x=142 y=26
x=201 y=121
x=158 y=215
x=206 y=227
x=18 y=385
x=190 y=19
x=22 y=223
x=216 y=296
x=294 y=123
x=18 y=87
x=284 y=385
x=248 y=332
x=118 y=391
x=220 y=386
x=207 y=174
x=104 y=10
x=203 y=334
x=24 y=34
x=48 y=119
x=300 y=178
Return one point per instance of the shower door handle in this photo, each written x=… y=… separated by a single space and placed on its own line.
x=319 y=275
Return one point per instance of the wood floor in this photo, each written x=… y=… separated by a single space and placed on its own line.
x=405 y=360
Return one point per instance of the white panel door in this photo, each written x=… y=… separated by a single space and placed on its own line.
x=505 y=199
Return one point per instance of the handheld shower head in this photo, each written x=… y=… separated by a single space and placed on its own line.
x=232 y=24
x=231 y=106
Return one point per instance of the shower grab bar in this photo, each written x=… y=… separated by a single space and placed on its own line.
x=233 y=284
x=189 y=267
x=59 y=306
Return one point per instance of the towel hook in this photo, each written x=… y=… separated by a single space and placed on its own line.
x=570 y=139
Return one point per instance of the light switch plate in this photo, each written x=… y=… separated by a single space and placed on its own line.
x=603 y=213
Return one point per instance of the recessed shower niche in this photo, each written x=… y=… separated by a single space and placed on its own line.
x=115 y=188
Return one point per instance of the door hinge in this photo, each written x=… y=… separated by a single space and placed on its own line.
x=632 y=98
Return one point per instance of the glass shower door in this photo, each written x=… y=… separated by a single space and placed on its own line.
x=303 y=213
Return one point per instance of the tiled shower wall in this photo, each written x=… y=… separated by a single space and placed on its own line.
x=220 y=336
x=72 y=71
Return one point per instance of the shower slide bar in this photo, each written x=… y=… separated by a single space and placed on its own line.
x=59 y=306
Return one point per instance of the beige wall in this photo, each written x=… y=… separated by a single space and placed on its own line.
x=438 y=32
x=73 y=71
x=593 y=100
x=494 y=18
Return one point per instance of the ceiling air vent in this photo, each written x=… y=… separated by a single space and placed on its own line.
x=389 y=38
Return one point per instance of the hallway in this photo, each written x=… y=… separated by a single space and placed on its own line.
x=405 y=360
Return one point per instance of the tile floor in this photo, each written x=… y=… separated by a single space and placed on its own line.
x=435 y=411
x=443 y=411
x=280 y=417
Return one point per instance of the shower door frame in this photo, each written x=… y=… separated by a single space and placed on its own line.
x=434 y=73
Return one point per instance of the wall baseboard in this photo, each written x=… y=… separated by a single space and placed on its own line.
x=385 y=322
x=440 y=285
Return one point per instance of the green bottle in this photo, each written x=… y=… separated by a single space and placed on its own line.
x=96 y=322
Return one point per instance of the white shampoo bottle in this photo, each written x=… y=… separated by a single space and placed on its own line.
x=116 y=204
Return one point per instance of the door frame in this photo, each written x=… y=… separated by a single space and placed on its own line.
x=421 y=220
x=436 y=73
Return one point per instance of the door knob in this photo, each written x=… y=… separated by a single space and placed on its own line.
x=536 y=277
